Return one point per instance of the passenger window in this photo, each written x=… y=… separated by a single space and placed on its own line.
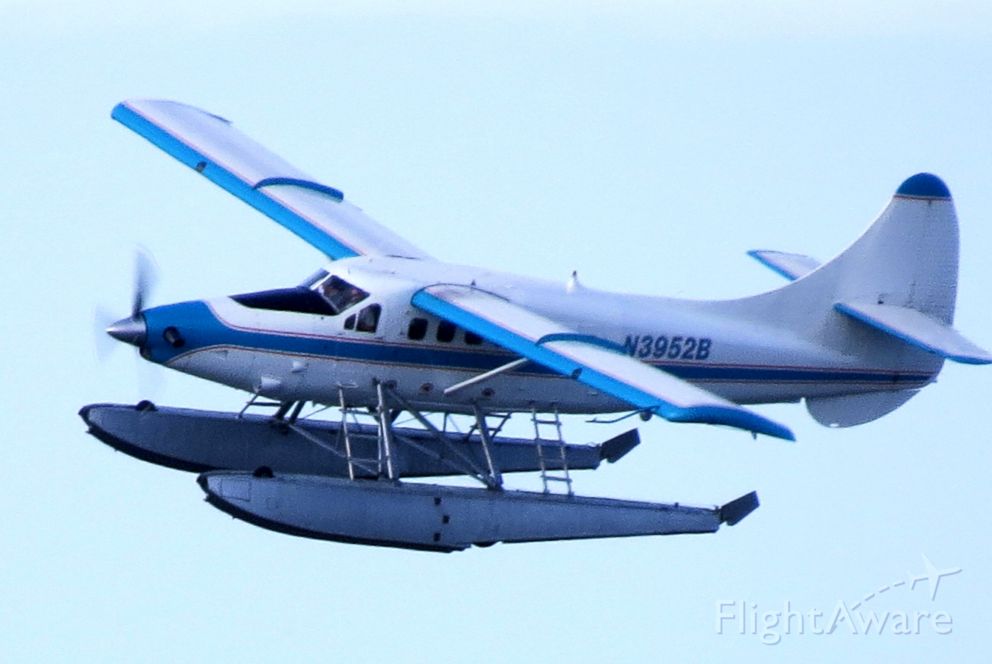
x=368 y=318
x=417 y=329
x=445 y=331
x=472 y=339
x=349 y=322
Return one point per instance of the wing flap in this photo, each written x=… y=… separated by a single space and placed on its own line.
x=592 y=361
x=917 y=329
x=212 y=146
x=790 y=266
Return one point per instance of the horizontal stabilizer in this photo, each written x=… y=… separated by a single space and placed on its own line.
x=790 y=266
x=917 y=329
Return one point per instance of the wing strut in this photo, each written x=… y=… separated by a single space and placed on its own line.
x=475 y=380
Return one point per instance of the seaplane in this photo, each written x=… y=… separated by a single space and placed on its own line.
x=384 y=331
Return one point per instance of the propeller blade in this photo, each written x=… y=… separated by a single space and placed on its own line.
x=150 y=379
x=110 y=328
x=145 y=277
x=102 y=343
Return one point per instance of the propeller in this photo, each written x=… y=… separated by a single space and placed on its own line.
x=145 y=277
x=104 y=343
x=131 y=330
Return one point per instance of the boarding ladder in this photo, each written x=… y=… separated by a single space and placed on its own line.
x=544 y=456
x=351 y=417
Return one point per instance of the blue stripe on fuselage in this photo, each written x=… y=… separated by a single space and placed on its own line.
x=201 y=328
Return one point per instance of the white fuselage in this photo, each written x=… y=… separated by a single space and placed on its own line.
x=734 y=349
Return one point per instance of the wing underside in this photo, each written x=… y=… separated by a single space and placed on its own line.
x=590 y=360
x=213 y=147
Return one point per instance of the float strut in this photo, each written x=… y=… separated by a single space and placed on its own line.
x=385 y=432
x=487 y=448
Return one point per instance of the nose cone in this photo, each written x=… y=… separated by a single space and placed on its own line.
x=129 y=330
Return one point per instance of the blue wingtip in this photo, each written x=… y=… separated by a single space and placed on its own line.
x=924 y=185
x=118 y=110
x=735 y=417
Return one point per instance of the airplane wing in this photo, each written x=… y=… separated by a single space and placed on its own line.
x=210 y=145
x=596 y=362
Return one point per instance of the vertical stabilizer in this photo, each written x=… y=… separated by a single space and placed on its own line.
x=907 y=258
x=903 y=271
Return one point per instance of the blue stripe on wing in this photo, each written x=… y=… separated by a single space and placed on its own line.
x=227 y=180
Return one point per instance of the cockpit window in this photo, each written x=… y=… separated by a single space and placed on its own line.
x=297 y=300
x=340 y=294
x=310 y=281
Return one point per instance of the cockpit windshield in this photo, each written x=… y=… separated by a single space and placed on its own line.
x=310 y=281
x=340 y=294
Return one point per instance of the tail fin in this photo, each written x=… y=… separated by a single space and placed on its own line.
x=907 y=258
x=887 y=300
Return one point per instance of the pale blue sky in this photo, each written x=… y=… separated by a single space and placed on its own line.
x=648 y=147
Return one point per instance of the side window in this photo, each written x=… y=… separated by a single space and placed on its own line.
x=445 y=331
x=349 y=322
x=417 y=329
x=368 y=318
x=472 y=339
